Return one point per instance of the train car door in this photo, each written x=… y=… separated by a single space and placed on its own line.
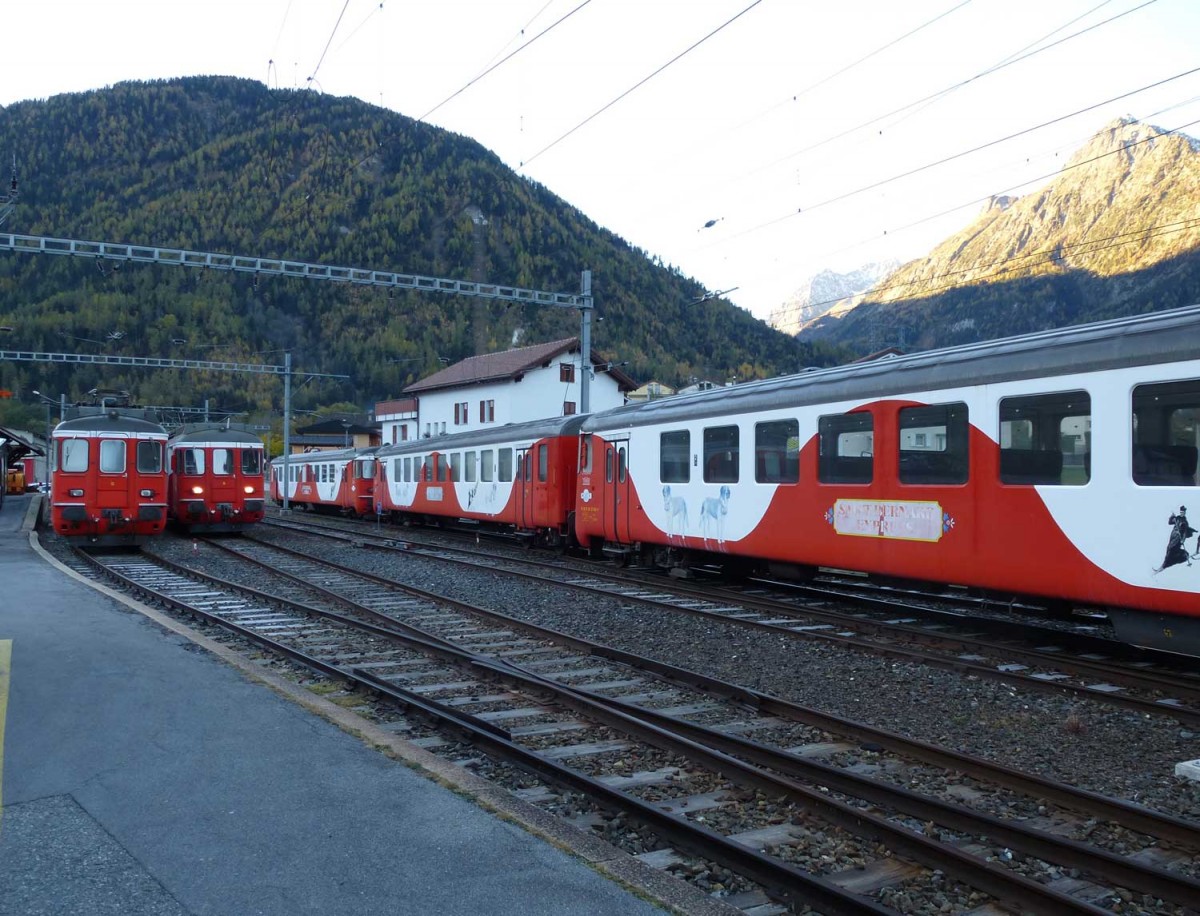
x=618 y=503
x=525 y=485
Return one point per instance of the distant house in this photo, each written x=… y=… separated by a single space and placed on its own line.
x=398 y=419
x=528 y=383
x=650 y=391
x=334 y=433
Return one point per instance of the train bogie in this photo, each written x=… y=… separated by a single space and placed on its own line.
x=216 y=478
x=109 y=478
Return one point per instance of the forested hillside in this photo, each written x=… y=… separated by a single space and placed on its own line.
x=226 y=165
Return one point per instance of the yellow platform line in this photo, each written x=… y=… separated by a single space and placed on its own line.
x=5 y=668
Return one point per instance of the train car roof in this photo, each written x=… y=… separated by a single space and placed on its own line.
x=111 y=422
x=214 y=433
x=341 y=454
x=489 y=435
x=1142 y=340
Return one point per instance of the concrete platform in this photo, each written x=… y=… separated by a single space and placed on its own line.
x=148 y=771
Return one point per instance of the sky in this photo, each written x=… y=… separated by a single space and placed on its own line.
x=748 y=143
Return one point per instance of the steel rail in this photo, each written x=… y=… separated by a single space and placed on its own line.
x=1136 y=817
x=788 y=881
x=1183 y=714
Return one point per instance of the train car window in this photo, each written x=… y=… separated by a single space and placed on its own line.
x=777 y=451
x=506 y=465
x=846 y=448
x=193 y=461
x=1046 y=439
x=149 y=457
x=443 y=469
x=1166 y=434
x=363 y=470
x=485 y=465
x=469 y=466
x=112 y=456
x=721 y=454
x=622 y=465
x=543 y=462
x=934 y=444
x=608 y=464
x=674 y=456
x=585 y=453
x=222 y=462
x=75 y=455
x=251 y=461
x=456 y=467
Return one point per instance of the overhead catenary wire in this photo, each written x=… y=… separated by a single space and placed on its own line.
x=1045 y=255
x=945 y=159
x=505 y=59
x=995 y=68
x=1033 y=181
x=313 y=76
x=642 y=82
x=931 y=99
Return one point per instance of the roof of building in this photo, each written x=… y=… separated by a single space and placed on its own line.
x=511 y=364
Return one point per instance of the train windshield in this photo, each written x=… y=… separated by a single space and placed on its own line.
x=365 y=469
x=112 y=456
x=222 y=461
x=75 y=455
x=193 y=460
x=149 y=457
x=251 y=461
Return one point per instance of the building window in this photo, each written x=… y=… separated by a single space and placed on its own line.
x=566 y=372
x=568 y=408
x=461 y=416
x=403 y=432
x=487 y=411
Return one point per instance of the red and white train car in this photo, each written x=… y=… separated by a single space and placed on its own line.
x=109 y=478
x=519 y=477
x=329 y=481
x=1059 y=464
x=216 y=478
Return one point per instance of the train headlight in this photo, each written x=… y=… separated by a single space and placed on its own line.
x=145 y=494
x=248 y=489
x=74 y=492
x=197 y=490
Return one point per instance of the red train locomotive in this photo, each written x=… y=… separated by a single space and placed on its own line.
x=216 y=478
x=109 y=478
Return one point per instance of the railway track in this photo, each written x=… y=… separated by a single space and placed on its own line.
x=661 y=706
x=867 y=623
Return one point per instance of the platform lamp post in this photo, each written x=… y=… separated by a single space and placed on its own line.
x=50 y=402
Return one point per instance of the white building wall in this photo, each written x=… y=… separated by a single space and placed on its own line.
x=539 y=394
